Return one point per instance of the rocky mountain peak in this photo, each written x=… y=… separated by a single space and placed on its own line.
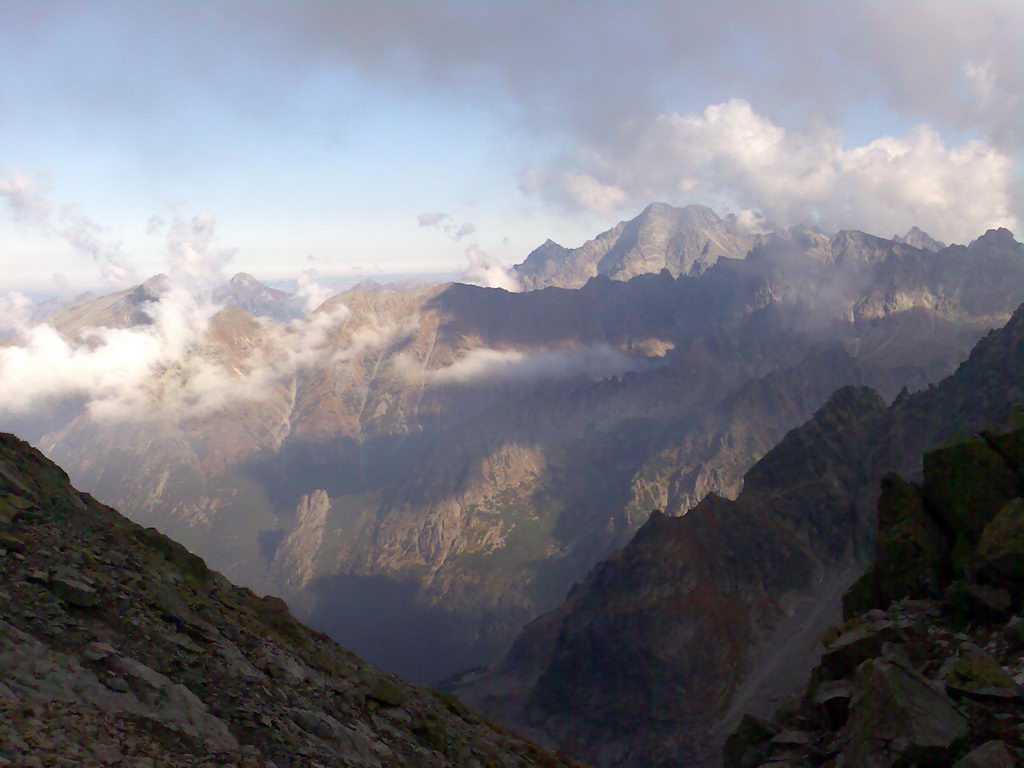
x=1000 y=238
x=245 y=280
x=693 y=212
x=920 y=239
x=548 y=250
x=685 y=240
x=249 y=294
x=156 y=285
x=369 y=285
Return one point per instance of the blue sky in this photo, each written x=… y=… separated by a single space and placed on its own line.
x=324 y=130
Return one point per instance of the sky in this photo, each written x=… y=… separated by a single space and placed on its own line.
x=407 y=136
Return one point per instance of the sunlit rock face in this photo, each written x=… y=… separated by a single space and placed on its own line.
x=684 y=241
x=445 y=461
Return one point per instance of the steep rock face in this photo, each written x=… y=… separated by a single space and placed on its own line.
x=684 y=241
x=482 y=450
x=718 y=612
x=118 y=647
x=918 y=238
x=927 y=667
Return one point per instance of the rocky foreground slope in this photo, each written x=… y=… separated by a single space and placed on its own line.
x=708 y=615
x=120 y=648
x=928 y=668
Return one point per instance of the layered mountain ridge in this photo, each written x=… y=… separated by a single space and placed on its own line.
x=705 y=616
x=449 y=459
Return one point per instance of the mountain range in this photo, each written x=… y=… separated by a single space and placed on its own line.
x=448 y=460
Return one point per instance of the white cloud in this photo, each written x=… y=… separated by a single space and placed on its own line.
x=487 y=272
x=732 y=157
x=27 y=197
x=595 y=362
x=752 y=223
x=193 y=262
x=15 y=312
x=584 y=191
x=85 y=236
x=309 y=292
x=434 y=219
x=465 y=229
x=144 y=371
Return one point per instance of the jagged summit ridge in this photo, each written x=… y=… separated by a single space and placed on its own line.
x=691 y=239
x=918 y=238
x=684 y=241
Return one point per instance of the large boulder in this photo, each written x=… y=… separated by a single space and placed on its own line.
x=991 y=754
x=856 y=645
x=897 y=717
x=976 y=674
x=999 y=557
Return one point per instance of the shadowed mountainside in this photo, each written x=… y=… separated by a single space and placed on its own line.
x=704 y=616
x=927 y=666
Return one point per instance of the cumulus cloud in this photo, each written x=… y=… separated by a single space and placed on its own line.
x=446 y=223
x=487 y=272
x=595 y=362
x=733 y=157
x=577 y=190
x=193 y=260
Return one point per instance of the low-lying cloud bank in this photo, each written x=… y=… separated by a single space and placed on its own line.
x=168 y=367
x=734 y=158
x=596 y=362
